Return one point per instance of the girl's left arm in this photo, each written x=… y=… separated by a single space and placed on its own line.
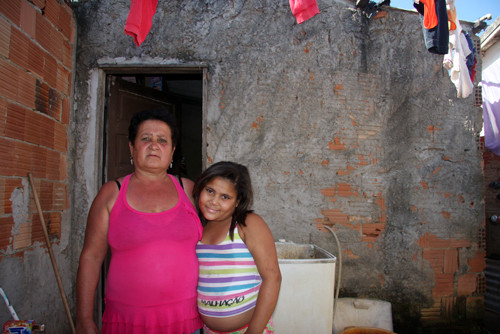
x=260 y=243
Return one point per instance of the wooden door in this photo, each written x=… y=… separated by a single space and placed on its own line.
x=124 y=100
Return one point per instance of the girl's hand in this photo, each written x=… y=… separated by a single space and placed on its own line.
x=260 y=243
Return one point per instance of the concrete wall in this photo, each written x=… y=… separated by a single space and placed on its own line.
x=342 y=120
x=37 y=40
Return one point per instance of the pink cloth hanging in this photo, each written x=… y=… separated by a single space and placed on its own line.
x=303 y=9
x=140 y=19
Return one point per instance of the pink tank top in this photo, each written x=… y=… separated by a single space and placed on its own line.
x=153 y=271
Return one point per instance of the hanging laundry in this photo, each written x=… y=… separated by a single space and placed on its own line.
x=491 y=109
x=455 y=60
x=437 y=38
x=430 y=15
x=471 y=60
x=140 y=19
x=452 y=17
x=303 y=9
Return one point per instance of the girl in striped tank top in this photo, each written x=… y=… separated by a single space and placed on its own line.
x=239 y=277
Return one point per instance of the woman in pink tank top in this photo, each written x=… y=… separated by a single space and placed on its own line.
x=150 y=225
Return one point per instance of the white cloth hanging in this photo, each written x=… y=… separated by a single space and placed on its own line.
x=455 y=61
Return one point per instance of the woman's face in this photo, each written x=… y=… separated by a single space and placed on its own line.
x=153 y=147
x=218 y=200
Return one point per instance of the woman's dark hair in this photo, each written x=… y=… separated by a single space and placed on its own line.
x=236 y=174
x=155 y=114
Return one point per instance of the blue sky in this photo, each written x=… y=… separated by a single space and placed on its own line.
x=467 y=10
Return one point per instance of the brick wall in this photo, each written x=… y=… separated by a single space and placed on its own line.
x=36 y=59
x=36 y=48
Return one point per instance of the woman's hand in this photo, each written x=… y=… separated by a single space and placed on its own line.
x=86 y=327
x=94 y=251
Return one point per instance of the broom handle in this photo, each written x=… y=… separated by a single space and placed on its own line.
x=51 y=253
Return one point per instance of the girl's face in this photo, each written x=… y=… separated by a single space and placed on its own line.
x=153 y=147
x=218 y=200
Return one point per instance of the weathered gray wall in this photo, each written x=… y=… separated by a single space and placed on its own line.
x=342 y=120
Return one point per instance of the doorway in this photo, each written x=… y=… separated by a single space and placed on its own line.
x=129 y=90
x=128 y=93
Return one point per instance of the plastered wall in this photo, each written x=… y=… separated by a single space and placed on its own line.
x=342 y=120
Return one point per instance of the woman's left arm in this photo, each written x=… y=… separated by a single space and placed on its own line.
x=260 y=243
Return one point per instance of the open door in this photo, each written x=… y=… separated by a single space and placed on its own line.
x=126 y=98
x=128 y=93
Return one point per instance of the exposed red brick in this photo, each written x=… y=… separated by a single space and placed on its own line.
x=22 y=158
x=47 y=100
x=372 y=231
x=12 y=10
x=325 y=162
x=459 y=243
x=338 y=88
x=66 y=23
x=336 y=144
x=60 y=138
x=28 y=18
x=63 y=80
x=54 y=224
x=3 y=116
x=6 y=224
x=432 y=129
x=25 y=53
x=475 y=307
x=50 y=71
x=49 y=38
x=445 y=214
x=467 y=284
x=347 y=171
x=40 y=4
x=66 y=105
x=336 y=216
x=444 y=285
x=380 y=200
x=435 y=242
x=51 y=12
x=60 y=198
x=478 y=263
x=4 y=37
x=10 y=185
x=67 y=55
x=380 y=15
x=329 y=192
x=363 y=161
x=19 y=50
x=345 y=190
x=3 y=196
x=25 y=89
x=435 y=257
x=350 y=254
x=450 y=261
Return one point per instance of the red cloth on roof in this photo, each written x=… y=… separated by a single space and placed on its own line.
x=303 y=9
x=140 y=19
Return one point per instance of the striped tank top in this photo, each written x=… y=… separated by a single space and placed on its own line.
x=229 y=281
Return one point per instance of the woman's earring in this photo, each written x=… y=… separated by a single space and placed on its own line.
x=131 y=161
x=171 y=163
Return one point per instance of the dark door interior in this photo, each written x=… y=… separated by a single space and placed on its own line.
x=127 y=93
x=179 y=93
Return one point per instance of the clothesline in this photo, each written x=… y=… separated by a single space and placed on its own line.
x=141 y=12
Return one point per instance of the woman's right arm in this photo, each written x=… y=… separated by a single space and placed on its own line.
x=93 y=253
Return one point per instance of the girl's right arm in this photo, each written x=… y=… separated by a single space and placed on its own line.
x=93 y=253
